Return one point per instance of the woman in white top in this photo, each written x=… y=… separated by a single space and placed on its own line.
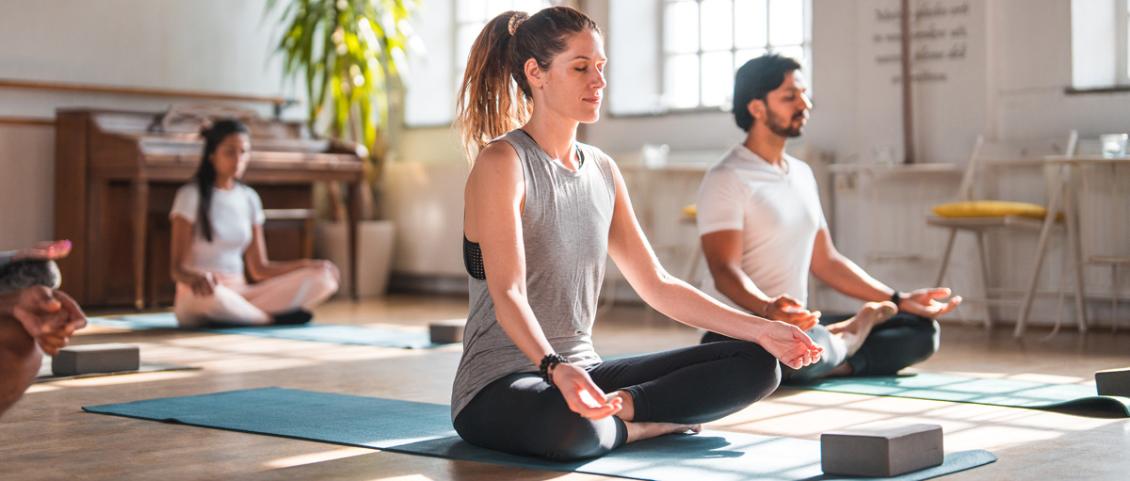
x=218 y=230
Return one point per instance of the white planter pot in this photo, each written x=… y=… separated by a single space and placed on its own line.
x=374 y=254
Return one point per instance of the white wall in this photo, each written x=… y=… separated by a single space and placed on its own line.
x=1010 y=84
x=207 y=45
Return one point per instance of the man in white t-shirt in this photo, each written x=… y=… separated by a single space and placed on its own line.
x=763 y=231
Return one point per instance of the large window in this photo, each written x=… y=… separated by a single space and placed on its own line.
x=472 y=15
x=1123 y=40
x=1100 y=44
x=705 y=41
x=448 y=29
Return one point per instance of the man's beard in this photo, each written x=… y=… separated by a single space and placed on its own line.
x=784 y=129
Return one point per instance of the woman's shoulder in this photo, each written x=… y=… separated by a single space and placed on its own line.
x=605 y=161
x=246 y=190
x=499 y=154
x=188 y=193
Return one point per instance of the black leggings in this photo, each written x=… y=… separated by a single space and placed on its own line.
x=522 y=414
x=900 y=341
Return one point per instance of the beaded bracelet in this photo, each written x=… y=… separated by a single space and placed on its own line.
x=548 y=362
x=896 y=298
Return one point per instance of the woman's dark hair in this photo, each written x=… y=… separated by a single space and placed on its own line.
x=495 y=97
x=755 y=80
x=206 y=172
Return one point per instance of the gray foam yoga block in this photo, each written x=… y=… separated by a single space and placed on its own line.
x=95 y=358
x=1113 y=382
x=446 y=332
x=881 y=449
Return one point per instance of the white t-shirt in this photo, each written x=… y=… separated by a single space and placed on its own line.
x=778 y=211
x=233 y=212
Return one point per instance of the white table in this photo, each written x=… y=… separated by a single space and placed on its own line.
x=1063 y=192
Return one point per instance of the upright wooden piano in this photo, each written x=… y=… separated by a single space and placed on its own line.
x=116 y=174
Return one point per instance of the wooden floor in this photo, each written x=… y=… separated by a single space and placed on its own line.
x=46 y=436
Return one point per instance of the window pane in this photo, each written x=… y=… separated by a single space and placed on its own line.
x=680 y=27
x=750 y=23
x=717 y=24
x=529 y=6
x=717 y=78
x=794 y=51
x=471 y=10
x=786 y=22
x=463 y=42
x=495 y=7
x=744 y=56
x=635 y=78
x=681 y=86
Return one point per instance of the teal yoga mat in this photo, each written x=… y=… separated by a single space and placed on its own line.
x=329 y=333
x=425 y=429
x=47 y=375
x=997 y=392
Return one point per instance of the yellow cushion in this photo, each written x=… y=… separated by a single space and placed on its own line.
x=690 y=211
x=990 y=208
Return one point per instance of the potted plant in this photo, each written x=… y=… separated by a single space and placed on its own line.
x=349 y=55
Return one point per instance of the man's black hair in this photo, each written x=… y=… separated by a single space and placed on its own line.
x=755 y=80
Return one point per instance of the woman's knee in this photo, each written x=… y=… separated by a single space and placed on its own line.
x=560 y=436
x=566 y=436
x=324 y=277
x=541 y=425
x=759 y=371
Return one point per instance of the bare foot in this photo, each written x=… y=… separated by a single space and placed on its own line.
x=642 y=431
x=855 y=330
x=627 y=405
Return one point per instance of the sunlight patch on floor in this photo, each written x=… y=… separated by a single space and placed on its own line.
x=318 y=457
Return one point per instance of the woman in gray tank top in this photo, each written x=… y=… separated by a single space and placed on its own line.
x=542 y=214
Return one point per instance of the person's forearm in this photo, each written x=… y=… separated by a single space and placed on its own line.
x=19 y=361
x=739 y=288
x=183 y=275
x=8 y=303
x=271 y=269
x=680 y=301
x=851 y=280
x=519 y=323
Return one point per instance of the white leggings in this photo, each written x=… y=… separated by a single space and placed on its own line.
x=234 y=300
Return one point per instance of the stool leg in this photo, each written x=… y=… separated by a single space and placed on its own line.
x=946 y=257
x=1041 y=249
x=1114 y=297
x=983 y=258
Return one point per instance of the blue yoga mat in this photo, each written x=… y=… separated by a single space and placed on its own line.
x=329 y=333
x=997 y=392
x=425 y=429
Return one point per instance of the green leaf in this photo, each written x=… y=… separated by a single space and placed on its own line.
x=374 y=47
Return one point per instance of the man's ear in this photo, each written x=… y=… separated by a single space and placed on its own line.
x=534 y=74
x=756 y=109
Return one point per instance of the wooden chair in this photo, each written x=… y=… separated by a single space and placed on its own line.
x=974 y=211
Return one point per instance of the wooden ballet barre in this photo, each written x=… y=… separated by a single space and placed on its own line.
x=35 y=121
x=277 y=101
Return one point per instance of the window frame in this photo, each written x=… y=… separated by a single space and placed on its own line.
x=461 y=64
x=768 y=47
x=1122 y=49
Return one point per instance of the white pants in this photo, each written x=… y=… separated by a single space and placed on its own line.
x=234 y=300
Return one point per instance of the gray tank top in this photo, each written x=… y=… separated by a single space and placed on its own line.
x=565 y=225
